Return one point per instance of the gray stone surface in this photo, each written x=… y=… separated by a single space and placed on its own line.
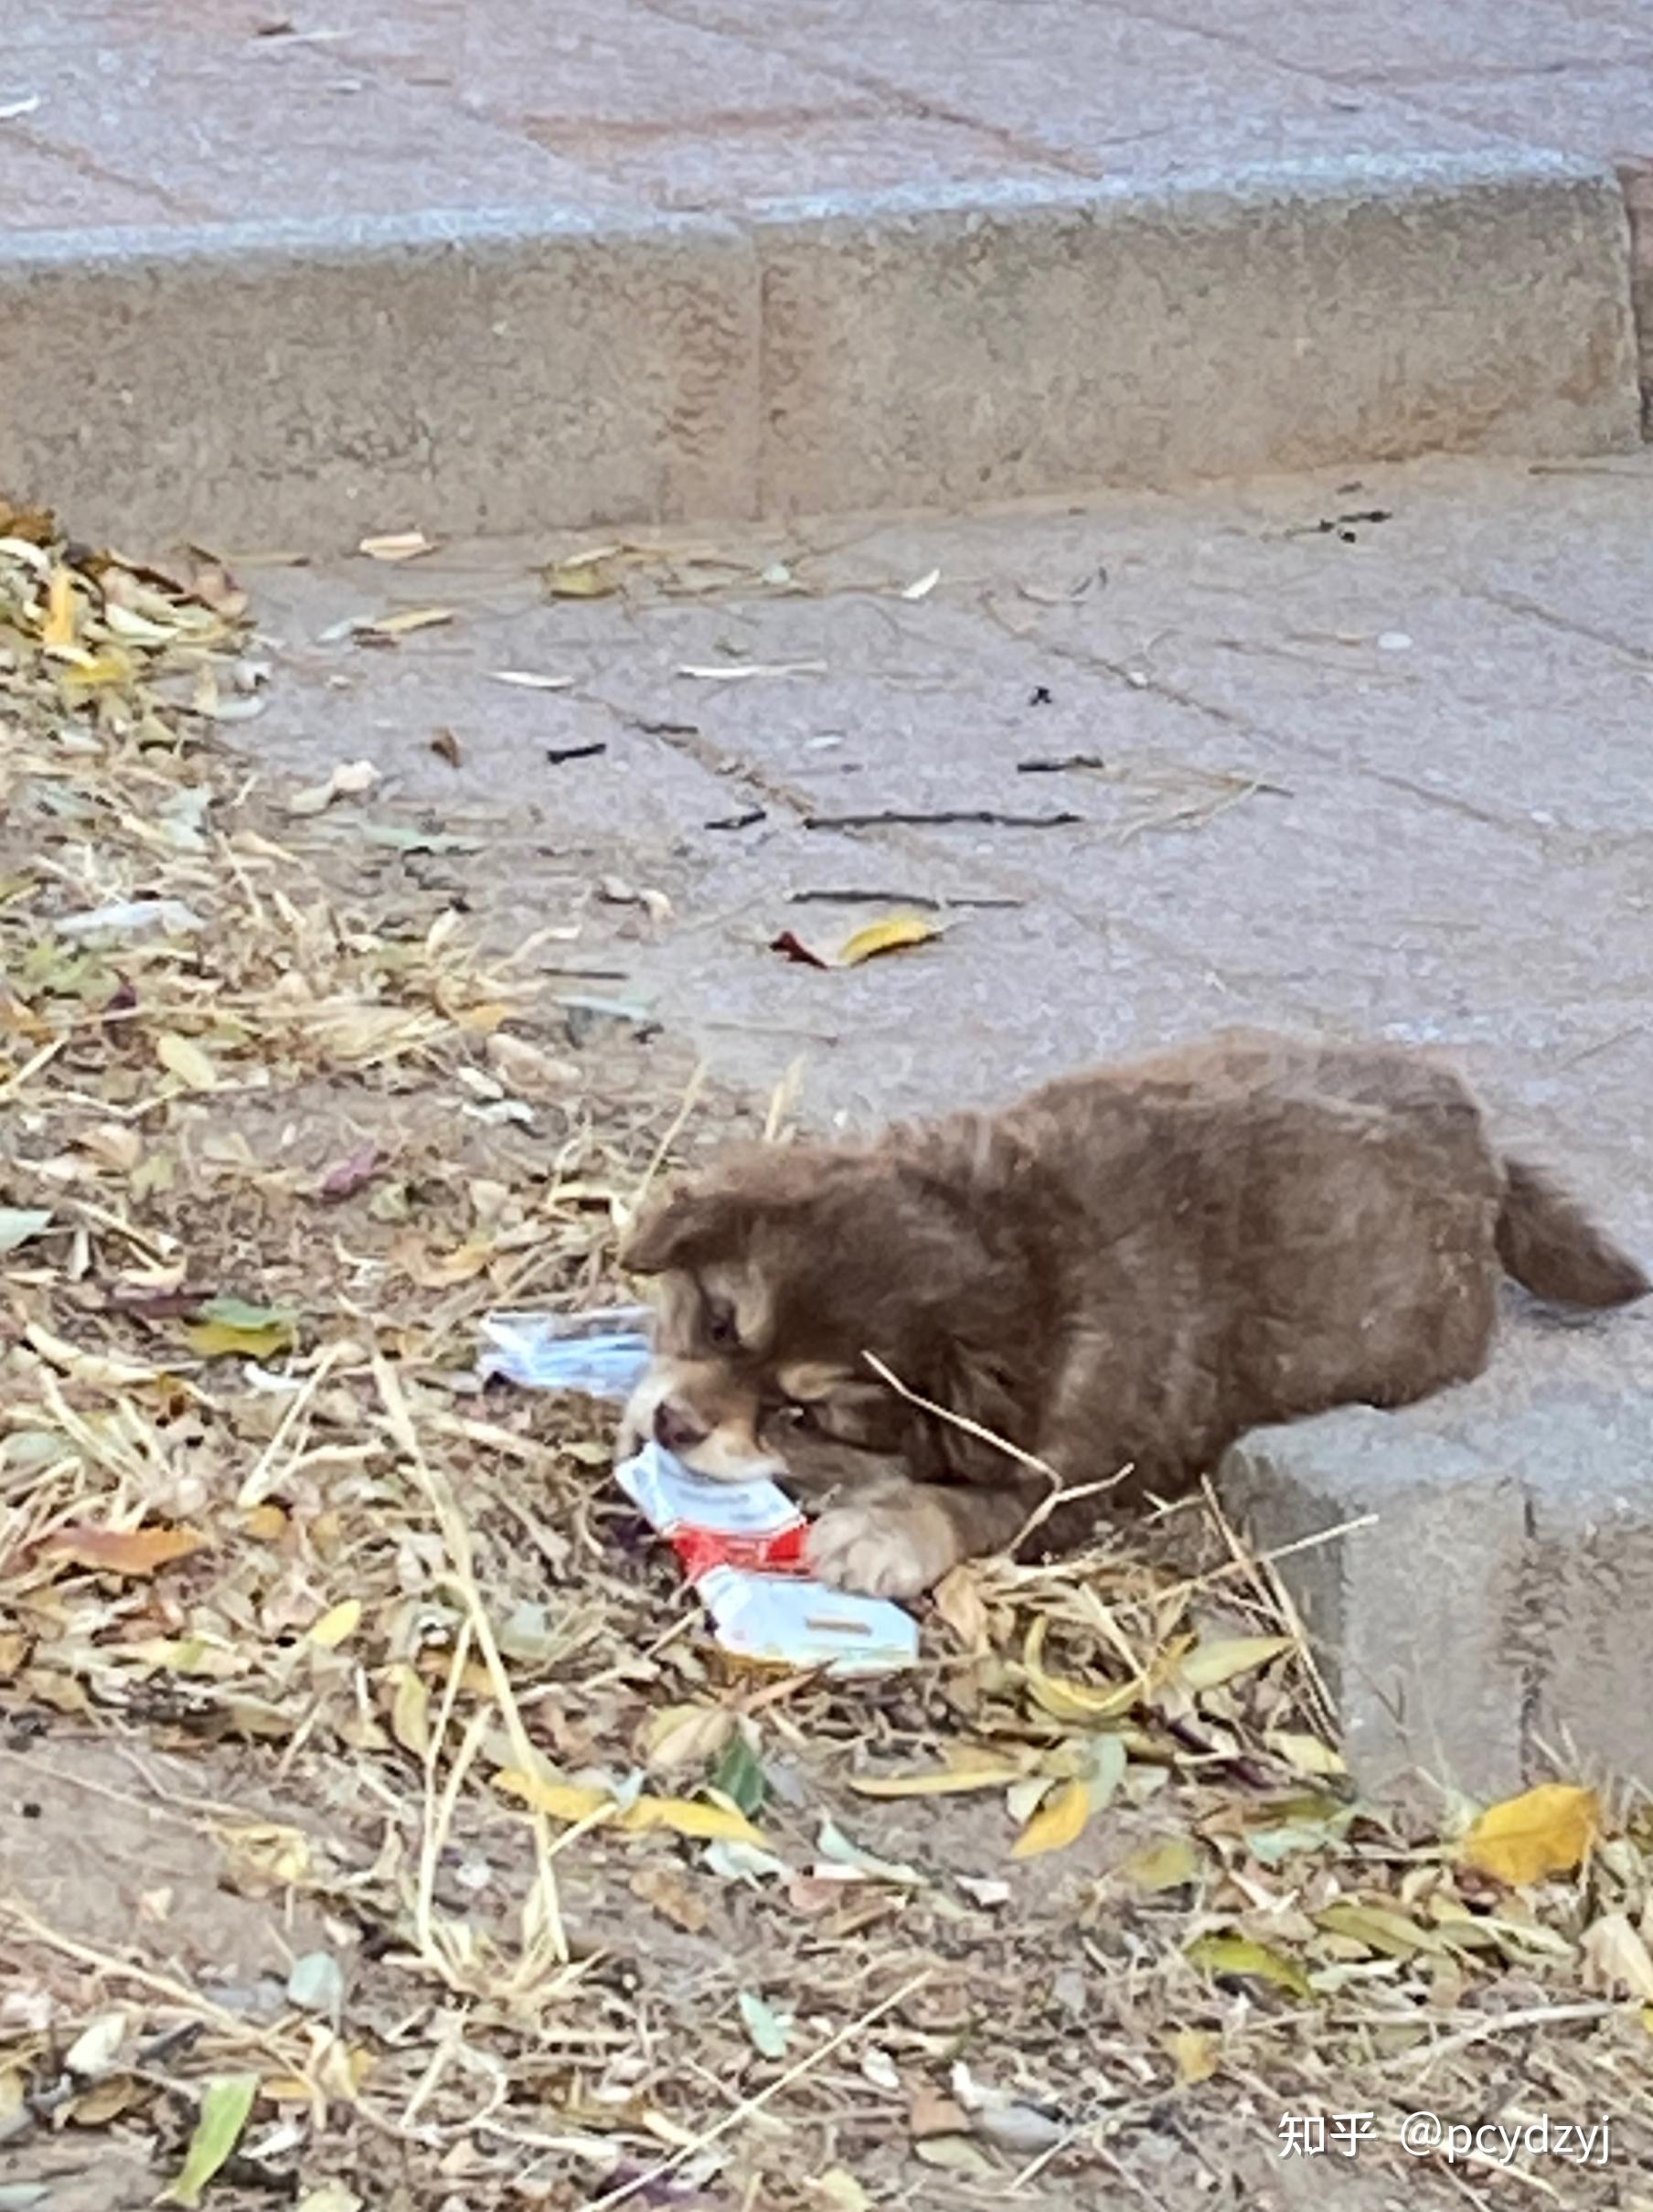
x=939 y=355
x=948 y=252
x=1492 y=1624
x=274 y=386
x=1363 y=776
x=1414 y=1612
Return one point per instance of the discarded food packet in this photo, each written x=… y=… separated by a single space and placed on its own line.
x=601 y=1354
x=741 y=1544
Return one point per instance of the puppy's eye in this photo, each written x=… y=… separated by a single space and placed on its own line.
x=721 y=1324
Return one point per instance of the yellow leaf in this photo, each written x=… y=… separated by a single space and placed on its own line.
x=1166 y=1865
x=1058 y=1821
x=1072 y=1701
x=222 y=1340
x=595 y=574
x=1208 y=1664
x=938 y=1781
x=1241 y=1955
x=575 y=1801
x=59 y=625
x=690 y=1817
x=337 y=1624
x=268 y=1851
x=265 y=1523
x=410 y=1713
x=182 y=1057
x=890 y=934
x=1194 y=2052
x=1546 y=1831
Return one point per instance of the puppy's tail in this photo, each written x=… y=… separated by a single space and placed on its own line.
x=1553 y=1248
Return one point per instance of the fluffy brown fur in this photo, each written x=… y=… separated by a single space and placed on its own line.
x=1125 y=1271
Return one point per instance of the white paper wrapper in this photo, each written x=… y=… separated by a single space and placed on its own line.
x=601 y=1354
x=775 y=1617
x=779 y=1619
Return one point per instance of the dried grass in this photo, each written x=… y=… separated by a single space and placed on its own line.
x=285 y=1097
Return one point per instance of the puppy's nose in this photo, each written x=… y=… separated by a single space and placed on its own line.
x=675 y=1429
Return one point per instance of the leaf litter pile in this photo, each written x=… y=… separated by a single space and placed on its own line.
x=382 y=1830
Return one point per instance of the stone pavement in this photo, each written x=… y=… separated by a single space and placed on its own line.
x=1367 y=754
x=257 y=109
x=261 y=263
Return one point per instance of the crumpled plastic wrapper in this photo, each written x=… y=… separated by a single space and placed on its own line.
x=741 y=1544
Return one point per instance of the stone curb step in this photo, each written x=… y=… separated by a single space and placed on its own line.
x=295 y=384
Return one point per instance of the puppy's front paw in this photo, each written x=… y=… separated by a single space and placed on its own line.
x=884 y=1551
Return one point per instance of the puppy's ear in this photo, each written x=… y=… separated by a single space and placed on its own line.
x=685 y=1230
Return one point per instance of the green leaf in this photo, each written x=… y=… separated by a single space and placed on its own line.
x=740 y=1775
x=224 y=2108
x=771 y=2032
x=242 y=1313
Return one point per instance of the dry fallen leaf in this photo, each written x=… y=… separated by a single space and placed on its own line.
x=527 y=680
x=1074 y=1701
x=1378 y=1928
x=1058 y=1821
x=350 y=779
x=1194 y=2052
x=578 y=1801
x=840 y=2192
x=939 y=1781
x=397 y=545
x=403 y=622
x=59 y=625
x=1545 y=1830
x=337 y=1624
x=411 y=1712
x=183 y=1057
x=137 y=1552
x=893 y=933
x=1169 y=1863
x=1208 y=1664
x=1220 y=1954
x=743 y=671
x=227 y=1327
x=1616 y=1958
x=19 y=1224
x=595 y=573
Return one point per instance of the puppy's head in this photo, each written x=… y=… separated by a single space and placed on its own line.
x=773 y=1275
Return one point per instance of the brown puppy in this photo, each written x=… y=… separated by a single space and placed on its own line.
x=1125 y=1270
